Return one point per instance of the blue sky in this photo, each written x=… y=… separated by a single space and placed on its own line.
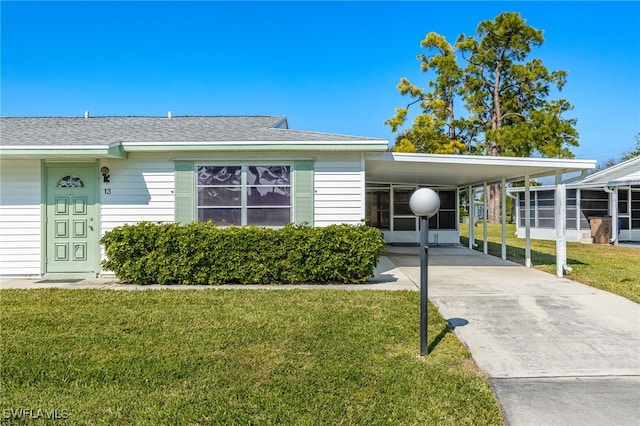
x=327 y=66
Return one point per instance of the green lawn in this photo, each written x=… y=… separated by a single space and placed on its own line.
x=611 y=268
x=235 y=357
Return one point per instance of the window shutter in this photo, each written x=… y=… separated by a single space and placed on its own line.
x=303 y=197
x=184 y=192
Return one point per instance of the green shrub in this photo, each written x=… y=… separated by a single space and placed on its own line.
x=201 y=253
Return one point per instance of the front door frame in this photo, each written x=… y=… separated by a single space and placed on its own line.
x=92 y=249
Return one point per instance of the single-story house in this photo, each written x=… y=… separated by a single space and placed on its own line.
x=612 y=194
x=65 y=181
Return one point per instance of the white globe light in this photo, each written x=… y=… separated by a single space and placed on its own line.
x=424 y=202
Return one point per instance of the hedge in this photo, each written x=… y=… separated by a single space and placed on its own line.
x=202 y=253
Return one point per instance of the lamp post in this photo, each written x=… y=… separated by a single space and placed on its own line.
x=424 y=203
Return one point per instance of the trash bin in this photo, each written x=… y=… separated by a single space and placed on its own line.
x=600 y=229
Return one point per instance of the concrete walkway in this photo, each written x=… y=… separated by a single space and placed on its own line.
x=387 y=277
x=557 y=352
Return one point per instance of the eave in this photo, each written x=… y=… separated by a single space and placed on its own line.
x=71 y=152
x=254 y=146
x=463 y=170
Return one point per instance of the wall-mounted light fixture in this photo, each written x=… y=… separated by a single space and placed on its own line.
x=105 y=174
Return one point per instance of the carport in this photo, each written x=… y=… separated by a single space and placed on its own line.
x=409 y=171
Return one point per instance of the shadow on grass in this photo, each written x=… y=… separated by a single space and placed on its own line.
x=450 y=325
x=516 y=254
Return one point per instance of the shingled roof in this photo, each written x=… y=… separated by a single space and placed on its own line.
x=100 y=131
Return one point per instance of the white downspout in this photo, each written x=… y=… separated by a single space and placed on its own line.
x=614 y=213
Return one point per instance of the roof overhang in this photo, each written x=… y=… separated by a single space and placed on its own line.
x=120 y=149
x=77 y=152
x=623 y=182
x=253 y=146
x=462 y=170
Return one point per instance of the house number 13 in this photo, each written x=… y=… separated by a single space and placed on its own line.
x=107 y=191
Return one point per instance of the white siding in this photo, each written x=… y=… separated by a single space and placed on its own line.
x=20 y=237
x=339 y=184
x=140 y=189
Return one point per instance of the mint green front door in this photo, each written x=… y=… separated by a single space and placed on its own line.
x=71 y=221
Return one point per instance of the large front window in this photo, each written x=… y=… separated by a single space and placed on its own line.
x=244 y=194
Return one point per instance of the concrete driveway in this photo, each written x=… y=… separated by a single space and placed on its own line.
x=557 y=352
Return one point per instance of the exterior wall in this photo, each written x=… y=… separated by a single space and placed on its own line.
x=339 y=189
x=141 y=188
x=20 y=218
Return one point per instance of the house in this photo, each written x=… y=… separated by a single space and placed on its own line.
x=65 y=181
x=612 y=195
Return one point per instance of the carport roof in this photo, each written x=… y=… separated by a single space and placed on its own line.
x=462 y=170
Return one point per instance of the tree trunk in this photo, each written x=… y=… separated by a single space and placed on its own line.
x=493 y=204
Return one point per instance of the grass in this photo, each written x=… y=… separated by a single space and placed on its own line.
x=612 y=268
x=235 y=357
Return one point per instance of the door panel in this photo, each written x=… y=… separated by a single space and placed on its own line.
x=72 y=240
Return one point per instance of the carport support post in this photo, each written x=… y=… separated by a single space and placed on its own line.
x=613 y=210
x=527 y=221
x=503 y=193
x=561 y=221
x=472 y=209
x=485 y=237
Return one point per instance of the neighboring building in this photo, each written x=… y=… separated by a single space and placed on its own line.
x=613 y=194
x=65 y=181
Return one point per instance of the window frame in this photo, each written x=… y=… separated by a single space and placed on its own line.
x=301 y=193
x=244 y=186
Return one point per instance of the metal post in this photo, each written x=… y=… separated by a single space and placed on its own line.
x=424 y=203
x=485 y=213
x=503 y=194
x=424 y=270
x=560 y=222
x=472 y=215
x=527 y=221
